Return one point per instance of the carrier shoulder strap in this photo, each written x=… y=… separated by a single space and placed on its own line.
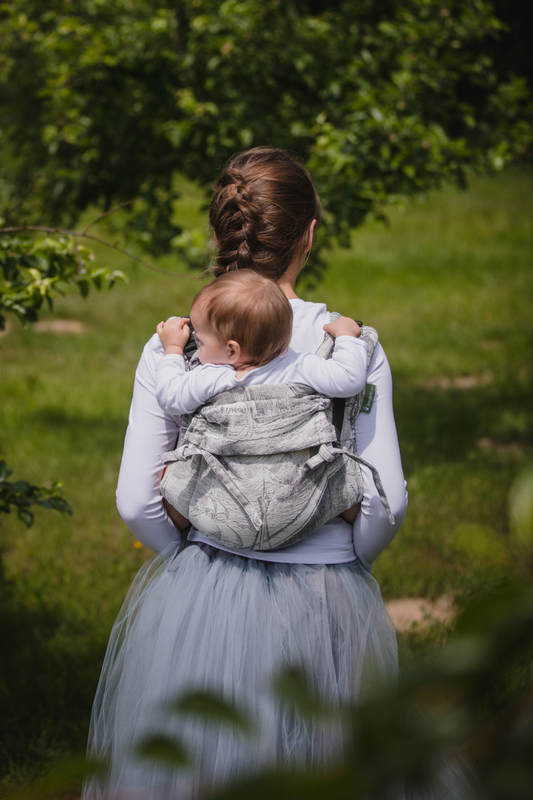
x=190 y=349
x=324 y=350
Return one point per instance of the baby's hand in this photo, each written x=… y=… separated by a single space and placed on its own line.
x=343 y=326
x=174 y=334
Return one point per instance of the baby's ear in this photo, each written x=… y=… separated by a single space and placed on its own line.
x=233 y=350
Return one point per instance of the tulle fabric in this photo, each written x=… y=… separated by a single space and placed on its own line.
x=206 y=619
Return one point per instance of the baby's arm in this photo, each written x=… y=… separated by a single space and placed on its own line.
x=344 y=374
x=178 y=390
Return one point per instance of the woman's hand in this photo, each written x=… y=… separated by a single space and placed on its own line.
x=350 y=515
x=343 y=326
x=181 y=522
x=174 y=334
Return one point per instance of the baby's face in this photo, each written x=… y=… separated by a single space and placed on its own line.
x=211 y=349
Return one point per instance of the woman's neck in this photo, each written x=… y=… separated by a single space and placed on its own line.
x=287 y=289
x=287 y=282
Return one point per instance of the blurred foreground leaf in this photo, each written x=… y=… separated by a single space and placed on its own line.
x=211 y=708
x=294 y=687
x=164 y=750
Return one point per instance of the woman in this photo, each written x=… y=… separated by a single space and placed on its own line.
x=203 y=617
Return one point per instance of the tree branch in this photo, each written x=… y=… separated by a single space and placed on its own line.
x=105 y=214
x=84 y=235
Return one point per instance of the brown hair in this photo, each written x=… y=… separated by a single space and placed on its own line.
x=262 y=206
x=250 y=309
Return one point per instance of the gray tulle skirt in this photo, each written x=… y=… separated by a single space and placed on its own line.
x=205 y=619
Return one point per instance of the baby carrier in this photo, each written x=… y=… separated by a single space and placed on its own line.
x=261 y=467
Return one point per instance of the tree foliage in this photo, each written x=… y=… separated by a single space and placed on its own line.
x=33 y=271
x=104 y=102
x=20 y=496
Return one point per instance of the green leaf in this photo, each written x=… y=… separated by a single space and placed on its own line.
x=25 y=516
x=163 y=749
x=292 y=685
x=212 y=708
x=20 y=495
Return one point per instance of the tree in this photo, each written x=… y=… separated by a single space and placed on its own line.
x=32 y=274
x=104 y=102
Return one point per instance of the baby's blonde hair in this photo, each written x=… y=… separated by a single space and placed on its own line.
x=250 y=309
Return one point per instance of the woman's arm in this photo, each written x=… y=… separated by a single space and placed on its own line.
x=150 y=433
x=376 y=441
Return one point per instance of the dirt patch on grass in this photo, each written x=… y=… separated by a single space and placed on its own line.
x=59 y=326
x=409 y=611
x=502 y=448
x=462 y=382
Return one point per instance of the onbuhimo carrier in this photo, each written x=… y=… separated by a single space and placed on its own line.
x=261 y=467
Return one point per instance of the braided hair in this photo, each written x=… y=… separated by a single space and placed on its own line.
x=262 y=206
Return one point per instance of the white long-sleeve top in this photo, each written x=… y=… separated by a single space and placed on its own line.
x=151 y=432
x=179 y=391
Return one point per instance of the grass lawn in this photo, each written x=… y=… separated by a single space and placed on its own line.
x=448 y=284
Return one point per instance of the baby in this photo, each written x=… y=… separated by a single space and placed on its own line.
x=242 y=325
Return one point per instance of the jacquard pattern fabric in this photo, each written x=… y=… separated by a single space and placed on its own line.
x=260 y=467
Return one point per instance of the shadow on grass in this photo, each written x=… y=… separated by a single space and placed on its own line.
x=73 y=428
x=461 y=451
x=46 y=687
x=447 y=424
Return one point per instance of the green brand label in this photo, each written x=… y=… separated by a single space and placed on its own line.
x=368 y=399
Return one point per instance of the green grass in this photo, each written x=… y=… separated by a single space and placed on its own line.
x=448 y=285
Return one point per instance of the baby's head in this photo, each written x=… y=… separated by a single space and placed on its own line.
x=242 y=319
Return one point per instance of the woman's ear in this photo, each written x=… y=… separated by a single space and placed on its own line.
x=233 y=351
x=310 y=234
